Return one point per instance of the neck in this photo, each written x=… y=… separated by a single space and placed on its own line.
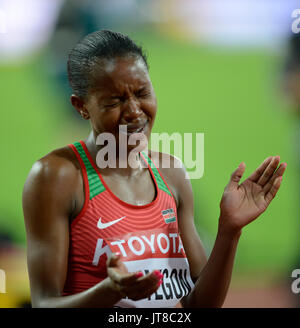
x=129 y=165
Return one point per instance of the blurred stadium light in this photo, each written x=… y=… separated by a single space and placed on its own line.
x=263 y=23
x=28 y=26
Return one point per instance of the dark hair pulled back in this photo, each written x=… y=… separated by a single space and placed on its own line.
x=103 y=44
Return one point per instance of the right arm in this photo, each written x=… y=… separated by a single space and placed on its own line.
x=48 y=204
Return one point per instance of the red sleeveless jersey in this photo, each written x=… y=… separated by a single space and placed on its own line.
x=146 y=236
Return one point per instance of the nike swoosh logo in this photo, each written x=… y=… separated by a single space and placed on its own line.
x=102 y=225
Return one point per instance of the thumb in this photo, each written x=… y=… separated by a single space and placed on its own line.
x=113 y=260
x=236 y=176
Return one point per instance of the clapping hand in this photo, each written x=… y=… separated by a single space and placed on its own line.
x=243 y=203
x=135 y=286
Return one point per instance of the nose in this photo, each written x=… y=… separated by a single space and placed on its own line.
x=132 y=109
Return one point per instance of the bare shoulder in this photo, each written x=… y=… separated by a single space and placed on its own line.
x=59 y=166
x=173 y=171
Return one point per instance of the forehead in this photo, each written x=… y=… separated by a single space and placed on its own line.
x=118 y=74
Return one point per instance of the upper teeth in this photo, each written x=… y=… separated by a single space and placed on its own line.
x=129 y=130
x=139 y=129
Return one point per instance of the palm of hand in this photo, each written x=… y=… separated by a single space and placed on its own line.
x=243 y=203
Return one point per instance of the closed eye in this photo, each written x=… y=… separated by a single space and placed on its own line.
x=143 y=93
x=112 y=105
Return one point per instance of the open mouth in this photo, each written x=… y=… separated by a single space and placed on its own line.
x=133 y=128
x=136 y=130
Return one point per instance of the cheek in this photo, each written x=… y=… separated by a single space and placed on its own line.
x=151 y=112
x=151 y=108
x=106 y=122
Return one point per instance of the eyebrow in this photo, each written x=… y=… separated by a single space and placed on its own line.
x=118 y=96
x=114 y=96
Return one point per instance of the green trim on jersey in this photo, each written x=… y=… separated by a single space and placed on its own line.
x=95 y=185
x=160 y=182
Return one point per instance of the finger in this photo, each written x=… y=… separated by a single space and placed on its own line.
x=151 y=278
x=274 y=189
x=259 y=171
x=112 y=260
x=130 y=279
x=115 y=275
x=236 y=176
x=146 y=287
x=269 y=171
x=144 y=283
x=113 y=264
x=145 y=293
x=279 y=172
x=121 y=278
x=125 y=284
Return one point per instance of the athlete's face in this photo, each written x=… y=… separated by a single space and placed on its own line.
x=121 y=94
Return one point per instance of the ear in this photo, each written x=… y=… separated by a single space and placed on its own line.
x=78 y=104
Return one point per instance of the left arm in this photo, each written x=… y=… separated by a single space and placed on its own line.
x=211 y=277
x=240 y=205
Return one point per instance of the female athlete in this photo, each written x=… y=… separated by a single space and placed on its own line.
x=124 y=235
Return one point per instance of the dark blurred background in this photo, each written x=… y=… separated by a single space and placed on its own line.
x=225 y=68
